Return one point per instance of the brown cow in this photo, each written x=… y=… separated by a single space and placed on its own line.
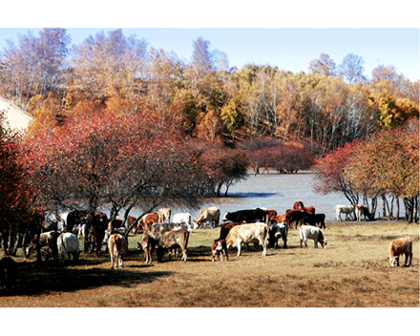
x=309 y=209
x=298 y=205
x=271 y=215
x=117 y=246
x=173 y=240
x=398 y=247
x=116 y=223
x=98 y=225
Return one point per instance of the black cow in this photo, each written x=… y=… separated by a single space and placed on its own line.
x=248 y=216
x=276 y=231
x=294 y=216
x=314 y=219
x=8 y=270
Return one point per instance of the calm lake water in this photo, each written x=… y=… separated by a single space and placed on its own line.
x=275 y=192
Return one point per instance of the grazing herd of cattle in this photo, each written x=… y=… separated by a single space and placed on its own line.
x=253 y=226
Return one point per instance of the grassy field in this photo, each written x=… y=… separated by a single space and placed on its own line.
x=351 y=272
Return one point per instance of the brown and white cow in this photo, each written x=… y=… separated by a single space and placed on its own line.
x=298 y=205
x=148 y=219
x=172 y=240
x=117 y=246
x=361 y=210
x=218 y=249
x=398 y=247
x=210 y=214
x=248 y=233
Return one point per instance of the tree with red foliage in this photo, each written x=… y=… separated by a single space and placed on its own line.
x=100 y=159
x=290 y=159
x=331 y=177
x=16 y=198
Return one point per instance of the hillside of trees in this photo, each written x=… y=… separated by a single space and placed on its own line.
x=118 y=122
x=330 y=105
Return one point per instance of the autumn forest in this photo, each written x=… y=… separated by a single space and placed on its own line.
x=117 y=121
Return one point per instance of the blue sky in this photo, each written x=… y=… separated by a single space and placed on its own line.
x=283 y=36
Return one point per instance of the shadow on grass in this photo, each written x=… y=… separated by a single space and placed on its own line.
x=36 y=280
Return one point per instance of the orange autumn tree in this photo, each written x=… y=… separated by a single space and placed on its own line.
x=389 y=160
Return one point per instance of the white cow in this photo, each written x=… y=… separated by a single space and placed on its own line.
x=182 y=218
x=345 y=209
x=67 y=243
x=210 y=214
x=312 y=232
x=248 y=233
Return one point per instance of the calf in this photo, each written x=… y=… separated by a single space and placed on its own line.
x=67 y=243
x=8 y=270
x=276 y=231
x=314 y=219
x=398 y=247
x=361 y=210
x=219 y=248
x=147 y=243
x=173 y=240
x=315 y=233
x=117 y=246
x=248 y=233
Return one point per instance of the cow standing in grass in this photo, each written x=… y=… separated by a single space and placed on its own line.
x=398 y=247
x=311 y=232
x=248 y=233
x=117 y=246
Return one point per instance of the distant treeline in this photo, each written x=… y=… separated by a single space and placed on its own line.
x=204 y=98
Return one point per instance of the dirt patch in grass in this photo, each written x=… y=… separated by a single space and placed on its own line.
x=351 y=272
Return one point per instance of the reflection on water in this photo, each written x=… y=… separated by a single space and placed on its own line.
x=273 y=191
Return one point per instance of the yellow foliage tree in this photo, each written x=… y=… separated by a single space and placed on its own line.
x=47 y=114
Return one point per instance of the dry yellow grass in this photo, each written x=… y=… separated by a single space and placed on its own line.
x=351 y=272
